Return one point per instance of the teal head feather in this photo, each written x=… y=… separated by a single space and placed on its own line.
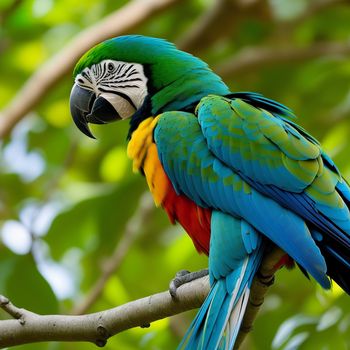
x=175 y=79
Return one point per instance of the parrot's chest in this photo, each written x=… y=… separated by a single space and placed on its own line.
x=194 y=219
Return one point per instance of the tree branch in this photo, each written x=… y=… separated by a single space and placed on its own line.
x=285 y=29
x=8 y=11
x=11 y=309
x=125 y=19
x=219 y=21
x=253 y=58
x=261 y=283
x=4 y=15
x=29 y=327
x=132 y=232
x=314 y=8
x=203 y=33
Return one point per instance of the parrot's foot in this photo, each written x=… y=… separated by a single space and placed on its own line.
x=182 y=277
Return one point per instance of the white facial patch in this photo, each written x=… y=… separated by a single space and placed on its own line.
x=121 y=105
x=122 y=84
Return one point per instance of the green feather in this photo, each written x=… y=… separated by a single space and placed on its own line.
x=176 y=78
x=259 y=144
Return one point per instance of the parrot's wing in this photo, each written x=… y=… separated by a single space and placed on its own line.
x=276 y=157
x=196 y=172
x=255 y=142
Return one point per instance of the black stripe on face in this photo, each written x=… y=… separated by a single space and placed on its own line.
x=120 y=68
x=133 y=73
x=122 y=95
x=86 y=76
x=127 y=80
x=126 y=71
x=124 y=86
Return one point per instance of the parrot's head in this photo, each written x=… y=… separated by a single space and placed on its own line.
x=136 y=76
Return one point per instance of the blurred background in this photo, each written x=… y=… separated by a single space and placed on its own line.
x=77 y=232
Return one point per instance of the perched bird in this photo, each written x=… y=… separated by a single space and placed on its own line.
x=233 y=169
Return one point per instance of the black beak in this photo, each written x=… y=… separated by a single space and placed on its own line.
x=86 y=108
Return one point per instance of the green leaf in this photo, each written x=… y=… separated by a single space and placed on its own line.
x=27 y=288
x=23 y=284
x=93 y=223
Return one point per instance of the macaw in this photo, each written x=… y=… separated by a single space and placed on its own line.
x=233 y=168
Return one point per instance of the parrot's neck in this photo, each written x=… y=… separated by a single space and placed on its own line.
x=187 y=89
x=181 y=94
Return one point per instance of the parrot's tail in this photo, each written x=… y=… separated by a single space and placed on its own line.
x=337 y=258
x=335 y=247
x=338 y=265
x=217 y=323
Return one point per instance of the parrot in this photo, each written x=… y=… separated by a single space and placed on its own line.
x=234 y=169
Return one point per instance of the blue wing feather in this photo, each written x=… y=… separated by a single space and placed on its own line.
x=319 y=195
x=235 y=197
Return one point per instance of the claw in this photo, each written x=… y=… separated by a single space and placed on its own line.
x=183 y=277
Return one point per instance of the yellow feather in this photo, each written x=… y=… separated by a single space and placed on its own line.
x=140 y=141
x=155 y=175
x=143 y=151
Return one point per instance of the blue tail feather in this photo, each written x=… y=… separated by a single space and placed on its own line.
x=191 y=336
x=213 y=325
x=217 y=323
x=341 y=259
x=212 y=329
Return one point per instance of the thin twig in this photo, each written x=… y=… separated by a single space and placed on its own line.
x=5 y=13
x=9 y=308
x=133 y=229
x=125 y=19
x=203 y=32
x=8 y=11
x=253 y=58
x=220 y=20
x=285 y=29
x=314 y=8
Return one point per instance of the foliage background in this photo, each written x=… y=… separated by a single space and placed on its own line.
x=65 y=200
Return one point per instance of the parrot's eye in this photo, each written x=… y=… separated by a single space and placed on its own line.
x=110 y=66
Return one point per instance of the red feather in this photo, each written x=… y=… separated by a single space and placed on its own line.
x=194 y=219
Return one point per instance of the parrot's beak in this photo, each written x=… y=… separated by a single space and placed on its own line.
x=86 y=108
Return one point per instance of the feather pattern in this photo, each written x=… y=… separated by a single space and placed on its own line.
x=271 y=176
x=210 y=183
x=286 y=164
x=191 y=172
